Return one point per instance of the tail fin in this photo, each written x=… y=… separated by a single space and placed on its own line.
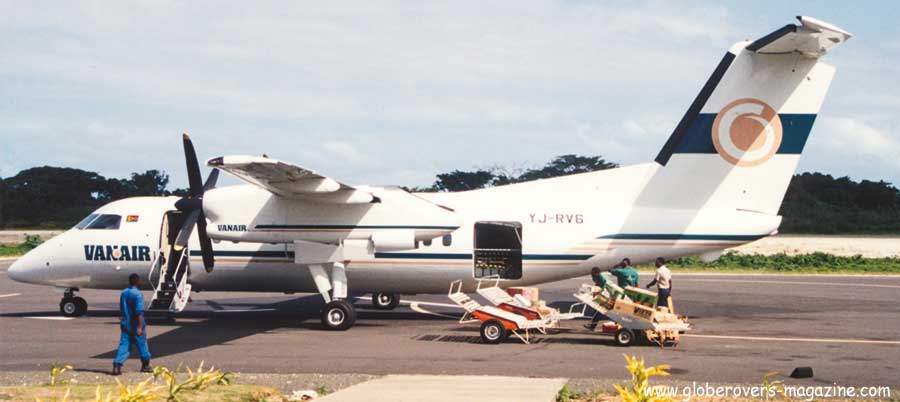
x=740 y=141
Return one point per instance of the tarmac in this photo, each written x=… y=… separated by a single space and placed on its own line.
x=847 y=328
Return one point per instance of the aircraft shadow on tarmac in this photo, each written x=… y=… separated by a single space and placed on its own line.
x=209 y=323
x=218 y=326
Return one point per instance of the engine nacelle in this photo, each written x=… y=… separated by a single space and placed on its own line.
x=394 y=240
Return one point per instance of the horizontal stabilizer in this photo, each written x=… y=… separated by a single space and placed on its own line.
x=812 y=38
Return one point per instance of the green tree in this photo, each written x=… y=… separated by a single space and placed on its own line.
x=565 y=165
x=55 y=197
x=820 y=203
x=458 y=180
x=49 y=196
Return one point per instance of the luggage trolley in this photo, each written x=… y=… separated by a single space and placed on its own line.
x=499 y=322
x=489 y=288
x=631 y=319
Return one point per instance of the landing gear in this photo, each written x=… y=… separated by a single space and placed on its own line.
x=71 y=305
x=385 y=301
x=338 y=315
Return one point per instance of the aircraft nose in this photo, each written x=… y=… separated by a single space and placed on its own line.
x=26 y=269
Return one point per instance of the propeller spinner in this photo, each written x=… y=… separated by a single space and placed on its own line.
x=192 y=205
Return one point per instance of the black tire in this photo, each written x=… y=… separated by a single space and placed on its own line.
x=338 y=315
x=624 y=337
x=385 y=301
x=493 y=332
x=82 y=306
x=72 y=306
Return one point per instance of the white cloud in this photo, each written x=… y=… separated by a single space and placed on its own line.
x=365 y=92
x=856 y=147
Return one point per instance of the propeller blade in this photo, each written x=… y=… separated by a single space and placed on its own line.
x=193 y=203
x=206 y=249
x=186 y=228
x=211 y=180
x=193 y=168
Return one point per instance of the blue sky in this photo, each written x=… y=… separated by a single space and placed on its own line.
x=395 y=92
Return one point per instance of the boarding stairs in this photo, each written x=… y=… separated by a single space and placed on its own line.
x=172 y=292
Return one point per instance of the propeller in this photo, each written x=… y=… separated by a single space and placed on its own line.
x=192 y=205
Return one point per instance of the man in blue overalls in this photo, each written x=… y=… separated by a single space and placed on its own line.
x=133 y=327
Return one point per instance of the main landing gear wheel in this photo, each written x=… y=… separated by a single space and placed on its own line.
x=385 y=301
x=493 y=332
x=624 y=337
x=338 y=315
x=73 y=306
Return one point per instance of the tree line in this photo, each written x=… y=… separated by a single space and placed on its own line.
x=815 y=203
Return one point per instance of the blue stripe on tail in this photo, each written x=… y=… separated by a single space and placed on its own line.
x=698 y=138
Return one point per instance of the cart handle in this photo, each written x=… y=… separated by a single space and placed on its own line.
x=495 y=278
x=574 y=306
x=455 y=284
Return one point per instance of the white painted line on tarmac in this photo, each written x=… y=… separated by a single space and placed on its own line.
x=422 y=303
x=10 y=295
x=414 y=306
x=776 y=339
x=51 y=318
x=867 y=285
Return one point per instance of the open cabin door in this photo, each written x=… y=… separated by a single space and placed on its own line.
x=172 y=291
x=498 y=249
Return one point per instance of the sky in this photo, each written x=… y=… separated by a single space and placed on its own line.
x=375 y=92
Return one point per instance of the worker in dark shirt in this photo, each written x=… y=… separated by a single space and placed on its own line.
x=133 y=328
x=625 y=274
x=599 y=280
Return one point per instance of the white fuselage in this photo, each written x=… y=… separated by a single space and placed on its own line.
x=569 y=225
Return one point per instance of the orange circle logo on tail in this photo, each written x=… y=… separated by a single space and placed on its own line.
x=747 y=132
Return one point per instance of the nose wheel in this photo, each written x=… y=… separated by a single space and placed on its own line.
x=73 y=306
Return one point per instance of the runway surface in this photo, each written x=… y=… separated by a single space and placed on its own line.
x=846 y=328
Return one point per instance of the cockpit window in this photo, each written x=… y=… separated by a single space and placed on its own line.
x=108 y=222
x=86 y=221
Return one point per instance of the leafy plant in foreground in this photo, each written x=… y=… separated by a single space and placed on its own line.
x=640 y=390
x=56 y=370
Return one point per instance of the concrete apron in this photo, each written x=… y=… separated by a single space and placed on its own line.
x=435 y=388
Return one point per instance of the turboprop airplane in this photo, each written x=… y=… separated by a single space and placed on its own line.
x=718 y=182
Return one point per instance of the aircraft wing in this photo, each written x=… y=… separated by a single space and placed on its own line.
x=812 y=38
x=289 y=180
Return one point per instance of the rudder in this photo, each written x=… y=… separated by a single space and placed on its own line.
x=740 y=141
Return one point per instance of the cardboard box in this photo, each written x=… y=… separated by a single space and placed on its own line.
x=624 y=306
x=532 y=294
x=641 y=296
x=643 y=312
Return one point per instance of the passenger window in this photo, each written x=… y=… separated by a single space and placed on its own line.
x=447 y=240
x=84 y=222
x=106 y=222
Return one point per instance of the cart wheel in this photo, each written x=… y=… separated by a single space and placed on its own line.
x=624 y=337
x=493 y=332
